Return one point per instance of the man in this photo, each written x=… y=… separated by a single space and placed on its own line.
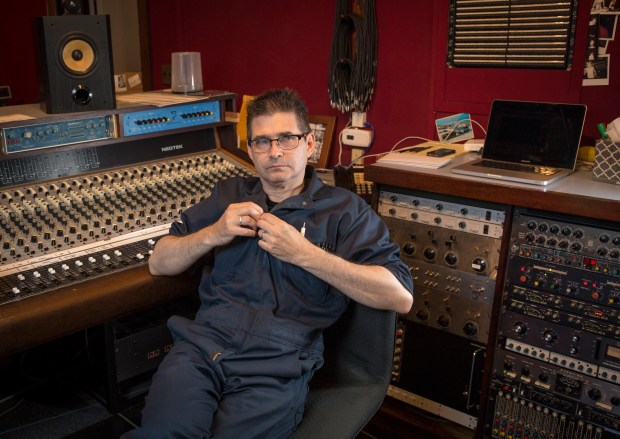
x=280 y=256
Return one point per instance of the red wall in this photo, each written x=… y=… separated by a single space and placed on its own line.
x=18 y=49
x=249 y=46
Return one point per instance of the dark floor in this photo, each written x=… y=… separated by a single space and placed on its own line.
x=46 y=414
x=54 y=391
x=78 y=416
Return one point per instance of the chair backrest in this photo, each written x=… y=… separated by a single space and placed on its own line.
x=349 y=389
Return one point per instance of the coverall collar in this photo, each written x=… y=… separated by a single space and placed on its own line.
x=314 y=189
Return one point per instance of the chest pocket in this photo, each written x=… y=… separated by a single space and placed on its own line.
x=299 y=282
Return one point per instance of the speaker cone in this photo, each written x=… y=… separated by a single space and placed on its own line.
x=78 y=56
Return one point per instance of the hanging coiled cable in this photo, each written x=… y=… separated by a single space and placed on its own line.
x=353 y=56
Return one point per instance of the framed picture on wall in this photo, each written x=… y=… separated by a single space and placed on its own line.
x=323 y=128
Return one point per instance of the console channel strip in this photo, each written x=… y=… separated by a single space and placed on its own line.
x=556 y=367
x=59 y=232
x=452 y=247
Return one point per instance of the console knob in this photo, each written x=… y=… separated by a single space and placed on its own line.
x=479 y=264
x=549 y=336
x=543 y=377
x=443 y=321
x=520 y=328
x=451 y=259
x=422 y=315
x=470 y=329
x=595 y=394
x=429 y=253
x=409 y=248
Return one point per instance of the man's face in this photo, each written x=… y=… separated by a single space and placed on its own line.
x=278 y=167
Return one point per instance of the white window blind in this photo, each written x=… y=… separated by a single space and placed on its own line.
x=512 y=33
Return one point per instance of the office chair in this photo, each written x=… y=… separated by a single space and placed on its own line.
x=348 y=390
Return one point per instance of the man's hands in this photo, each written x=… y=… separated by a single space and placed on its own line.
x=238 y=219
x=282 y=240
x=277 y=237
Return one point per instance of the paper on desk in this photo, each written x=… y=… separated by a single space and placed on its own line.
x=14 y=117
x=164 y=97
x=159 y=99
x=421 y=159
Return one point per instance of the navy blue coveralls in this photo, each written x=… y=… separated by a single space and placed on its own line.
x=241 y=368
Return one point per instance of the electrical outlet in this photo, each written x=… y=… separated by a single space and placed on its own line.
x=166 y=74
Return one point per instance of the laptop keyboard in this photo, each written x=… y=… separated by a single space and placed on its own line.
x=519 y=167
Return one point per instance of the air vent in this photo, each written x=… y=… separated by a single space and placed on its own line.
x=512 y=33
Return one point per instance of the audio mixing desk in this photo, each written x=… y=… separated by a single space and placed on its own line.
x=83 y=199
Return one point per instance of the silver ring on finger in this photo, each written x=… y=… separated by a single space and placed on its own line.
x=240 y=220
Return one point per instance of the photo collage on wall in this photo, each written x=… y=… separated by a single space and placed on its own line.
x=601 y=32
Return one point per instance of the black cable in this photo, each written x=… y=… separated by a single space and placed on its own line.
x=353 y=57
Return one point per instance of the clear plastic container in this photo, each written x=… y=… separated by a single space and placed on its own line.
x=186 y=72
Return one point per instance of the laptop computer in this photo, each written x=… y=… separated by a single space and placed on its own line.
x=529 y=142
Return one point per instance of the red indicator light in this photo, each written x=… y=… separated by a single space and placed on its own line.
x=598 y=313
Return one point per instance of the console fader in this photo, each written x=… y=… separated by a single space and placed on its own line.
x=452 y=247
x=556 y=367
x=58 y=232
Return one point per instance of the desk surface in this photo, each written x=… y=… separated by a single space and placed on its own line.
x=576 y=194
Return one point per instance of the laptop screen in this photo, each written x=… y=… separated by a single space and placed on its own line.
x=543 y=134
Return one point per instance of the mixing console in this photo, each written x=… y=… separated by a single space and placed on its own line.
x=59 y=232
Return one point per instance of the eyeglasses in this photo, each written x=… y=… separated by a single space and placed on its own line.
x=284 y=142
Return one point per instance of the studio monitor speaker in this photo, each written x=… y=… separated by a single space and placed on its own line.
x=76 y=63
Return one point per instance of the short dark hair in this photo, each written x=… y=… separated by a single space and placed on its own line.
x=284 y=100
